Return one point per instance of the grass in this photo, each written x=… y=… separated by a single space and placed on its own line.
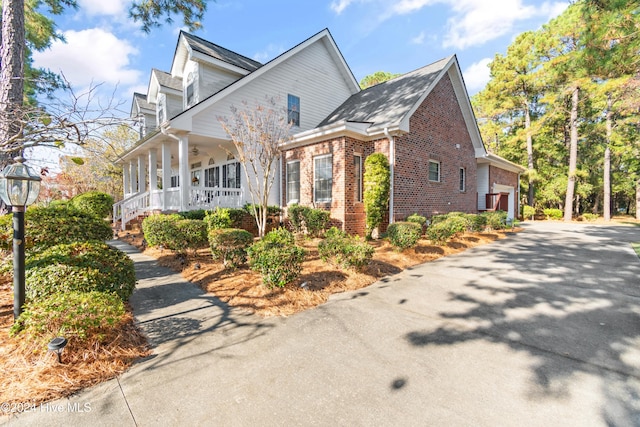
x=636 y=247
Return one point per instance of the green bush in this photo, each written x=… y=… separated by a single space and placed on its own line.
x=305 y=219
x=418 y=219
x=196 y=214
x=86 y=266
x=552 y=213
x=76 y=315
x=53 y=225
x=496 y=220
x=476 y=223
x=271 y=210
x=440 y=232
x=175 y=233
x=345 y=251
x=277 y=258
x=225 y=218
x=377 y=182
x=589 y=216
x=404 y=234
x=229 y=245
x=95 y=202
x=160 y=230
x=528 y=212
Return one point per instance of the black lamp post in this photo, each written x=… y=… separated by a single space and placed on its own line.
x=19 y=187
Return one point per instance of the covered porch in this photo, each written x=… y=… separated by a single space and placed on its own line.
x=178 y=172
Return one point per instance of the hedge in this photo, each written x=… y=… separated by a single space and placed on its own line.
x=175 y=233
x=404 y=234
x=87 y=266
x=277 y=258
x=95 y=202
x=344 y=250
x=310 y=220
x=230 y=245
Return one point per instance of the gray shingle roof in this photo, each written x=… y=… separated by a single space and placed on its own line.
x=165 y=79
x=387 y=103
x=141 y=100
x=218 y=52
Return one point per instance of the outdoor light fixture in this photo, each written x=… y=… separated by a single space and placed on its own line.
x=19 y=187
x=56 y=346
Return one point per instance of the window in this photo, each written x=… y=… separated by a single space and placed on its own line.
x=175 y=181
x=322 y=178
x=231 y=175
x=161 y=112
x=189 y=94
x=434 y=171
x=293 y=109
x=293 y=182
x=357 y=176
x=212 y=177
x=463 y=179
x=195 y=178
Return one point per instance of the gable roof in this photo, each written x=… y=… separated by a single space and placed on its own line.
x=167 y=80
x=388 y=103
x=220 y=53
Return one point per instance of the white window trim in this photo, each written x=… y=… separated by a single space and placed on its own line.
x=289 y=202
x=314 y=178
x=439 y=170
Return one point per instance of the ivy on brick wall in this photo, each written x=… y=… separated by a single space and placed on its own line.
x=376 y=190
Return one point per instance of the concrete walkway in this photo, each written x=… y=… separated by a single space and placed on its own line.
x=539 y=329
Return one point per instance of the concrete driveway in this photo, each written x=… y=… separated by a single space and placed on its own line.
x=539 y=329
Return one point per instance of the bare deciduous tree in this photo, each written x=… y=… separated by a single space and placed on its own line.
x=258 y=132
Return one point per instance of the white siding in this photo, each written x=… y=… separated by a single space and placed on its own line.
x=174 y=105
x=212 y=80
x=483 y=186
x=311 y=74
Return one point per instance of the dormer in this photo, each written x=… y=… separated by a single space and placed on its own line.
x=206 y=68
x=165 y=92
x=144 y=114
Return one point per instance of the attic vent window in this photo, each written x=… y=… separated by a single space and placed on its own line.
x=212 y=161
x=231 y=157
x=196 y=165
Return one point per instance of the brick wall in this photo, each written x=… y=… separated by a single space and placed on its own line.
x=437 y=132
x=501 y=176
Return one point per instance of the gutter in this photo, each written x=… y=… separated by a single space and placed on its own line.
x=392 y=162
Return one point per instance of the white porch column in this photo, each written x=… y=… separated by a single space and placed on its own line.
x=142 y=179
x=153 y=169
x=134 y=176
x=185 y=182
x=126 y=179
x=166 y=173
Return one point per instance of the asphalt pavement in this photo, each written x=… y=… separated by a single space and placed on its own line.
x=539 y=329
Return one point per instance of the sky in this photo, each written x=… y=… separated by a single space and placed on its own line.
x=103 y=46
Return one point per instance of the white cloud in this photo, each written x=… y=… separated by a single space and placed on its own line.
x=407 y=6
x=551 y=10
x=268 y=53
x=340 y=5
x=477 y=75
x=102 y=7
x=92 y=55
x=419 y=39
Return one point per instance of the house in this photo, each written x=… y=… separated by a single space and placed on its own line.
x=422 y=121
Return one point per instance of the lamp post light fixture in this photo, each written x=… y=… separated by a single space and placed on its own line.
x=19 y=187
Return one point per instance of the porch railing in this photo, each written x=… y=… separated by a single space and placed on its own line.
x=497 y=201
x=130 y=208
x=213 y=197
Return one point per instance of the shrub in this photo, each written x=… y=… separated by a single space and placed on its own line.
x=418 y=219
x=476 y=223
x=224 y=218
x=85 y=267
x=528 y=211
x=309 y=220
x=276 y=258
x=192 y=235
x=440 y=232
x=316 y=221
x=229 y=245
x=160 y=229
x=552 y=213
x=590 y=216
x=377 y=183
x=343 y=250
x=271 y=210
x=496 y=220
x=294 y=212
x=196 y=214
x=71 y=314
x=404 y=235
x=53 y=225
x=95 y=202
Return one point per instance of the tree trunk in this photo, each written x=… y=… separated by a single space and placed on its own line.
x=527 y=126
x=12 y=74
x=607 y=161
x=573 y=155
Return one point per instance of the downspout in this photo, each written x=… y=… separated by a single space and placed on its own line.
x=392 y=162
